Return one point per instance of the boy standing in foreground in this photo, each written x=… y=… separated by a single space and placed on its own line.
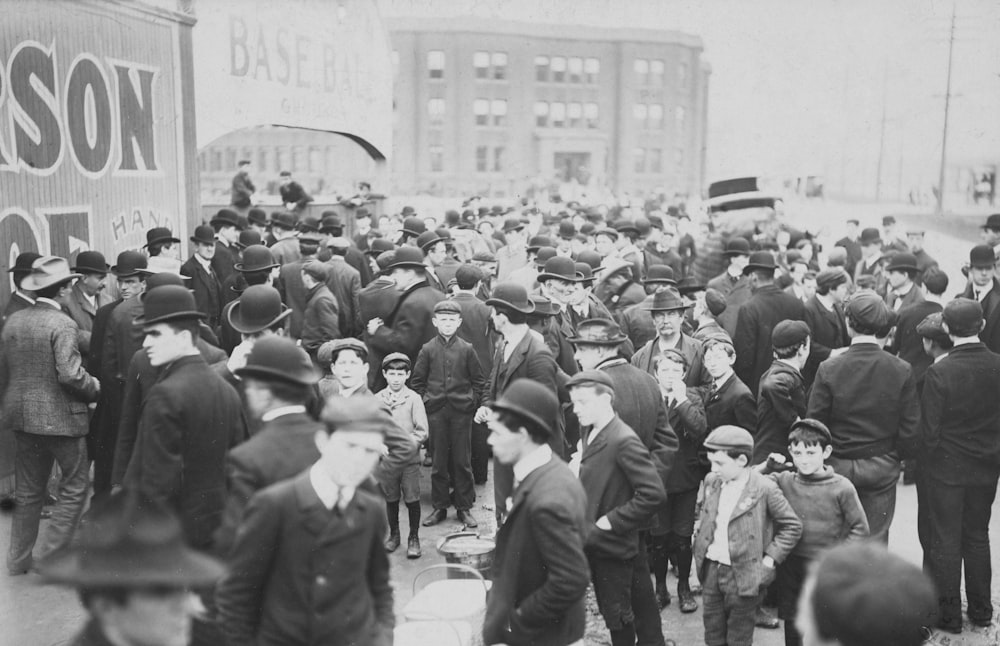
x=740 y=508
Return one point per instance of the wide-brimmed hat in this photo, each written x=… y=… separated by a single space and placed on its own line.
x=48 y=271
x=203 y=234
x=130 y=542
x=760 y=261
x=130 y=263
x=660 y=275
x=276 y=357
x=603 y=332
x=158 y=235
x=24 y=261
x=511 y=296
x=407 y=257
x=168 y=303
x=525 y=398
x=258 y=308
x=903 y=262
x=559 y=268
x=256 y=258
x=666 y=301
x=91 y=262
x=225 y=217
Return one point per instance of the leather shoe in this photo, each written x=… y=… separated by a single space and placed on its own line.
x=392 y=543
x=982 y=622
x=662 y=596
x=466 y=518
x=765 y=618
x=435 y=517
x=413 y=548
x=955 y=628
x=686 y=599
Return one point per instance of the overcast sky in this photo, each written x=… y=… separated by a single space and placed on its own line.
x=797 y=85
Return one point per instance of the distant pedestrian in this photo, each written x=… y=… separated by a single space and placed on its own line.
x=293 y=196
x=242 y=189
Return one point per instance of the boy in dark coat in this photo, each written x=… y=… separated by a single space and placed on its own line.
x=782 y=396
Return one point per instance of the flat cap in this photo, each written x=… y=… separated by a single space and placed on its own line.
x=868 y=309
x=590 y=378
x=715 y=301
x=359 y=413
x=788 y=333
x=832 y=277
x=813 y=425
x=932 y=327
x=728 y=437
x=447 y=306
x=396 y=356
x=963 y=316
x=329 y=350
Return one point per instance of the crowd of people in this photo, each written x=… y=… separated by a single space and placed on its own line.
x=736 y=403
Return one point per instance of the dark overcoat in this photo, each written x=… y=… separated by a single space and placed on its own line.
x=768 y=306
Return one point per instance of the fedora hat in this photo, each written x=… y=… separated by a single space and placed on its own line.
x=130 y=263
x=203 y=234
x=544 y=307
x=48 y=271
x=91 y=262
x=284 y=220
x=604 y=332
x=407 y=258
x=760 y=261
x=903 y=262
x=225 y=217
x=168 y=303
x=525 y=398
x=258 y=308
x=660 y=275
x=511 y=296
x=666 y=301
x=24 y=262
x=276 y=357
x=737 y=246
x=129 y=541
x=559 y=268
x=256 y=258
x=158 y=235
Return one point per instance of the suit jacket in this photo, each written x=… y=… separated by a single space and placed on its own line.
x=827 y=329
x=912 y=297
x=875 y=270
x=283 y=448
x=732 y=403
x=781 y=401
x=737 y=293
x=207 y=290
x=408 y=327
x=121 y=340
x=45 y=388
x=294 y=295
x=224 y=261
x=959 y=428
x=621 y=482
x=17 y=302
x=345 y=283
x=540 y=572
x=991 y=314
x=763 y=523
x=190 y=419
x=687 y=418
x=319 y=324
x=853 y=253
x=286 y=250
x=691 y=348
x=475 y=328
x=83 y=313
x=637 y=324
x=907 y=344
x=766 y=308
x=325 y=578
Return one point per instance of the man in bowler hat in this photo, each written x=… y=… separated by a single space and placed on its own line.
x=540 y=571
x=985 y=288
x=206 y=283
x=20 y=298
x=87 y=295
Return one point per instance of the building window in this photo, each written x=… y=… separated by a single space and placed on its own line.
x=641 y=112
x=641 y=67
x=542 y=68
x=215 y=160
x=654 y=160
x=230 y=158
x=656 y=69
x=482 y=156
x=481 y=61
x=575 y=70
x=282 y=155
x=498 y=108
x=435 y=111
x=590 y=114
x=498 y=154
x=639 y=155
x=655 y=121
x=558 y=69
x=499 y=60
x=682 y=75
x=436 y=158
x=557 y=115
x=298 y=159
x=262 y=160
x=435 y=64
x=541 y=114
x=679 y=160
x=679 y=117
x=574 y=115
x=481 y=108
x=591 y=69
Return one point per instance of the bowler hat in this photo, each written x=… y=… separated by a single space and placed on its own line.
x=256 y=258
x=603 y=332
x=903 y=262
x=868 y=309
x=590 y=257
x=608 y=232
x=248 y=238
x=982 y=256
x=160 y=279
x=48 y=271
x=728 y=437
x=586 y=273
x=407 y=211
x=511 y=296
x=660 y=275
x=543 y=255
x=760 y=261
x=715 y=301
x=888 y=220
x=258 y=308
x=257 y=216
x=523 y=397
x=626 y=226
x=283 y=220
x=832 y=277
x=447 y=306
x=91 y=262
x=644 y=227
x=963 y=316
x=225 y=217
x=130 y=263
x=396 y=356
x=364 y=413
x=276 y=357
x=543 y=307
x=203 y=234
x=413 y=226
x=870 y=236
x=737 y=246
x=567 y=230
x=130 y=542
x=309 y=224
x=667 y=300
x=158 y=235
x=512 y=224
x=378 y=245
x=992 y=222
x=310 y=238
x=24 y=261
x=427 y=239
x=331 y=224
x=590 y=378
x=383 y=260
x=690 y=285
x=793 y=257
x=407 y=258
x=328 y=351
x=559 y=268
x=537 y=242
x=484 y=256
x=788 y=333
x=168 y=303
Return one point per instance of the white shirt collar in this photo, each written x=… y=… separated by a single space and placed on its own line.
x=347 y=392
x=538 y=457
x=25 y=296
x=516 y=338
x=739 y=481
x=284 y=410
x=328 y=492
x=205 y=264
x=966 y=340
x=48 y=301
x=940 y=356
x=864 y=338
x=595 y=431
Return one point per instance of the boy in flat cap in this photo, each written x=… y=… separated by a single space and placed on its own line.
x=445 y=369
x=868 y=400
x=741 y=509
x=782 y=397
x=308 y=565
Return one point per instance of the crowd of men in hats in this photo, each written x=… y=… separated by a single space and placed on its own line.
x=265 y=402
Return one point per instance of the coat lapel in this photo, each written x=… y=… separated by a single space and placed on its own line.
x=516 y=358
x=751 y=492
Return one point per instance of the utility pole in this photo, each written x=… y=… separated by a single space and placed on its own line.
x=881 y=139
x=947 y=102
